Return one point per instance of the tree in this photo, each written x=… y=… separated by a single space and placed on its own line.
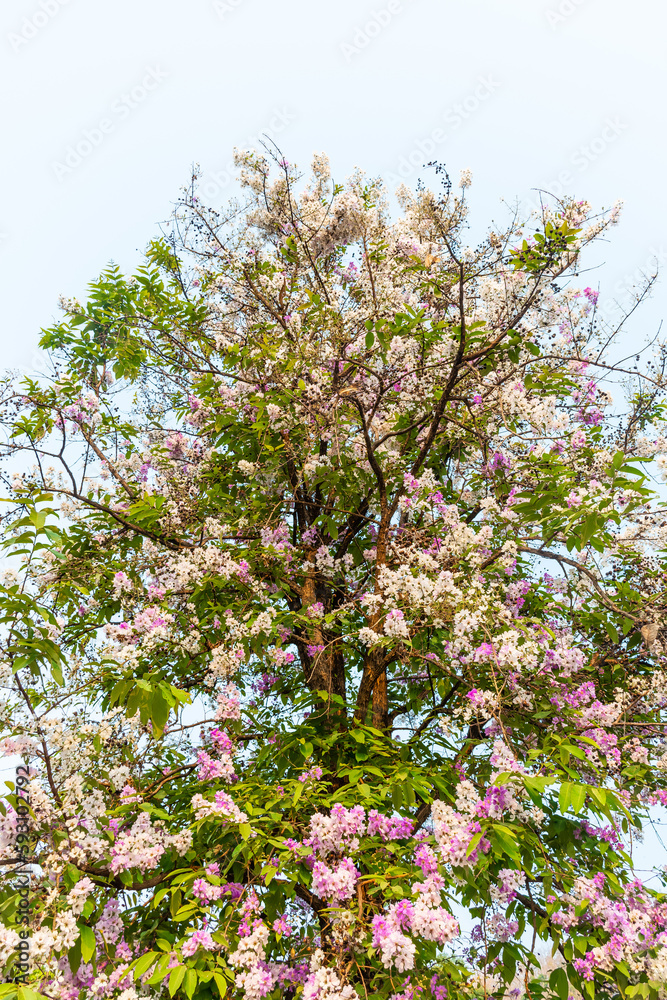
x=332 y=633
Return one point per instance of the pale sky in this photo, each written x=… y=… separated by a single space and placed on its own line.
x=520 y=91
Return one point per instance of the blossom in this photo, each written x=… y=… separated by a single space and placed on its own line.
x=368 y=636
x=325 y=984
x=335 y=884
x=121 y=584
x=314 y=774
x=389 y=827
x=210 y=768
x=282 y=926
x=395 y=625
x=504 y=891
x=200 y=939
x=78 y=895
x=222 y=806
x=9 y=940
x=140 y=847
x=342 y=827
x=228 y=704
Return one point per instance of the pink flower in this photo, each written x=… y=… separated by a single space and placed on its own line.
x=200 y=939
x=281 y=926
x=229 y=706
x=342 y=828
x=389 y=827
x=209 y=768
x=315 y=773
x=335 y=884
x=427 y=859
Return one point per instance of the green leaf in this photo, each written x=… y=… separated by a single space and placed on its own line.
x=88 y=943
x=589 y=529
x=578 y=797
x=474 y=842
x=190 y=983
x=638 y=990
x=565 y=795
x=159 y=895
x=159 y=710
x=535 y=787
x=144 y=963
x=25 y=993
x=161 y=970
x=505 y=839
x=612 y=632
x=175 y=979
x=221 y=983
x=558 y=982
x=370 y=339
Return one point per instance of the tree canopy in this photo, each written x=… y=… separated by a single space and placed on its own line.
x=332 y=638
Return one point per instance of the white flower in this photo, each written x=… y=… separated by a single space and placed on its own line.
x=368 y=636
x=9 y=939
x=320 y=166
x=396 y=626
x=118 y=776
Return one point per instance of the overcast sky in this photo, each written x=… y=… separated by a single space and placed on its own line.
x=107 y=104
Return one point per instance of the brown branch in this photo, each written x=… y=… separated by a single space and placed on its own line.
x=451 y=382
x=582 y=569
x=369 y=677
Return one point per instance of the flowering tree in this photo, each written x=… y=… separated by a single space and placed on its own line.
x=332 y=629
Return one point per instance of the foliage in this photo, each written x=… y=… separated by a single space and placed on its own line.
x=332 y=637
